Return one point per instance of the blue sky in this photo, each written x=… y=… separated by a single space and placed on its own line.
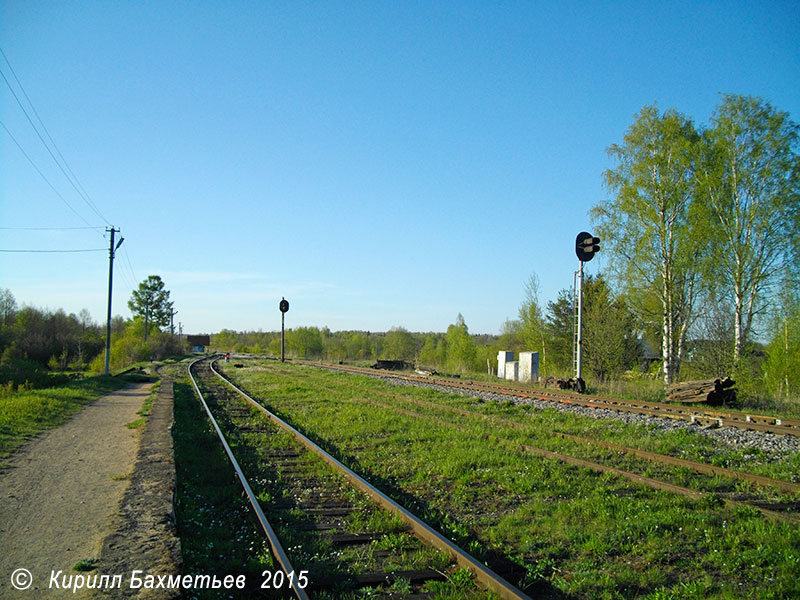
x=379 y=164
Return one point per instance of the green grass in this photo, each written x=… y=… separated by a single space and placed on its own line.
x=573 y=532
x=213 y=518
x=24 y=414
x=147 y=408
x=308 y=550
x=85 y=564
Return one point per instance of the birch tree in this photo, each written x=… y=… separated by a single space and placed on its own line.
x=748 y=174
x=647 y=226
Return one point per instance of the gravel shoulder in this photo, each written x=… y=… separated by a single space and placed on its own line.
x=61 y=496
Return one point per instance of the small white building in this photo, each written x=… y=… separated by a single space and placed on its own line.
x=529 y=367
x=503 y=357
x=525 y=369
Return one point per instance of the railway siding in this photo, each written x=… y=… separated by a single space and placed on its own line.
x=315 y=512
x=581 y=532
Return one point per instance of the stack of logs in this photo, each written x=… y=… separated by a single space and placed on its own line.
x=577 y=385
x=715 y=392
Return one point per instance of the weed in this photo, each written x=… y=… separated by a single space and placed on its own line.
x=85 y=564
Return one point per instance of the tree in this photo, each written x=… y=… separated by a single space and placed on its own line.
x=399 y=344
x=782 y=366
x=560 y=324
x=433 y=351
x=649 y=226
x=461 y=353
x=304 y=342
x=532 y=323
x=151 y=302
x=8 y=306
x=610 y=336
x=749 y=173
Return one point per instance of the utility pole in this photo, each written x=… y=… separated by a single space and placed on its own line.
x=111 y=251
x=172 y=314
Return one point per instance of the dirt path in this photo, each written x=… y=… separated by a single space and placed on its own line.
x=62 y=495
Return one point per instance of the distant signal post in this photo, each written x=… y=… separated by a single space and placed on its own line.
x=284 y=308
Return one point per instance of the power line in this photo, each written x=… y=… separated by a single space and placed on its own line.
x=81 y=192
x=46 y=228
x=133 y=281
x=59 y=251
x=47 y=181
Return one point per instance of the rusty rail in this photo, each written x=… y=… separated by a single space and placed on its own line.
x=484 y=576
x=277 y=549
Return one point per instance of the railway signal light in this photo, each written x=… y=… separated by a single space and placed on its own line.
x=284 y=308
x=586 y=246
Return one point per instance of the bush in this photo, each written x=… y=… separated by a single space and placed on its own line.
x=19 y=372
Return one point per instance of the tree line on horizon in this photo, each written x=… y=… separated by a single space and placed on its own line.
x=35 y=343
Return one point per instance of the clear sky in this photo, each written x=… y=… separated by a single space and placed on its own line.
x=379 y=164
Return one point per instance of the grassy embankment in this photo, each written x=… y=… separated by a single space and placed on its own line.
x=25 y=413
x=575 y=532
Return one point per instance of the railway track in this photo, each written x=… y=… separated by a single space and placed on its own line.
x=348 y=532
x=782 y=509
x=691 y=414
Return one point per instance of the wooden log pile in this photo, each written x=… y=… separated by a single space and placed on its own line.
x=714 y=391
x=577 y=385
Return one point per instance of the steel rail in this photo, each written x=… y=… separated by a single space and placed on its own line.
x=706 y=469
x=277 y=550
x=656 y=484
x=485 y=577
x=762 y=423
x=788 y=487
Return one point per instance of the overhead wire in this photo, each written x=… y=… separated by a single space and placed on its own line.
x=71 y=178
x=56 y=251
x=45 y=228
x=131 y=270
x=42 y=175
x=127 y=271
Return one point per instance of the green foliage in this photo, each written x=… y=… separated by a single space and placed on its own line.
x=532 y=329
x=560 y=325
x=781 y=369
x=699 y=227
x=51 y=339
x=610 y=341
x=128 y=348
x=85 y=564
x=461 y=352
x=304 y=342
x=17 y=372
x=399 y=344
x=649 y=228
x=749 y=177
x=150 y=302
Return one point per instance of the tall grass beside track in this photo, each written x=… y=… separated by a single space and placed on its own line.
x=574 y=532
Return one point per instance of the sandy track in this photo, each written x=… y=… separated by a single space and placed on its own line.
x=61 y=496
